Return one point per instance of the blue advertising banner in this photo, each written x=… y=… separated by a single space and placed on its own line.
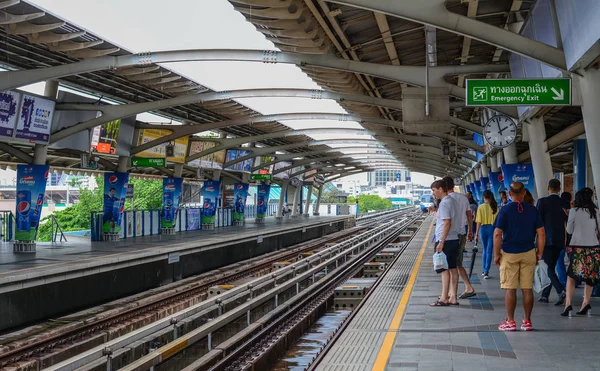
x=35 y=120
x=210 y=192
x=31 y=185
x=262 y=200
x=472 y=186
x=478 y=191
x=193 y=220
x=519 y=173
x=468 y=188
x=485 y=184
x=496 y=184
x=240 y=193
x=478 y=139
x=245 y=165
x=170 y=201
x=115 y=190
x=9 y=102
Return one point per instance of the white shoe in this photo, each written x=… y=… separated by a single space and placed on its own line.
x=486 y=277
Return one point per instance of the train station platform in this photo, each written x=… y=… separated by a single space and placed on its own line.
x=396 y=329
x=64 y=277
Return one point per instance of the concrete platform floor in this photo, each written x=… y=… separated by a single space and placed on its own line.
x=466 y=337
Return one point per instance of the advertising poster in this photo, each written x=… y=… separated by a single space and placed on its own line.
x=170 y=201
x=210 y=192
x=519 y=173
x=160 y=151
x=496 y=184
x=9 y=103
x=31 y=187
x=228 y=196
x=115 y=190
x=467 y=188
x=277 y=173
x=193 y=220
x=262 y=200
x=245 y=165
x=105 y=138
x=35 y=119
x=213 y=160
x=477 y=193
x=240 y=193
x=485 y=185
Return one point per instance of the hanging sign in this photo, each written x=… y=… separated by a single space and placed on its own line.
x=35 y=119
x=518 y=92
x=262 y=192
x=170 y=202
x=240 y=193
x=519 y=173
x=31 y=187
x=115 y=191
x=210 y=192
x=9 y=104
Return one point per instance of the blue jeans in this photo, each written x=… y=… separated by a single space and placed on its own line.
x=486 y=232
x=561 y=270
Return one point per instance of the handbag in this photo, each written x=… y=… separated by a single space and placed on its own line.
x=440 y=262
x=541 y=279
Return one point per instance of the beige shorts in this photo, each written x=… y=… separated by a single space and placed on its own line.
x=517 y=270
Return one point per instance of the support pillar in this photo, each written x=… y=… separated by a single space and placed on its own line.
x=485 y=171
x=500 y=160
x=589 y=85
x=540 y=158
x=123 y=164
x=318 y=204
x=284 y=186
x=493 y=162
x=307 y=204
x=178 y=171
x=296 y=198
x=510 y=154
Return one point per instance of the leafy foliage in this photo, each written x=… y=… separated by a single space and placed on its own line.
x=371 y=203
x=148 y=195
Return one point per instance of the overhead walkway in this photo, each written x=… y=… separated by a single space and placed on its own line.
x=64 y=277
x=396 y=329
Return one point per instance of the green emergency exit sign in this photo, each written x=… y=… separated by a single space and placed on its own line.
x=518 y=92
x=261 y=177
x=148 y=162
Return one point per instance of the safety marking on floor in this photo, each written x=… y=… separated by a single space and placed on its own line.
x=390 y=336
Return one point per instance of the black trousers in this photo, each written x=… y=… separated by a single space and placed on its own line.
x=550 y=256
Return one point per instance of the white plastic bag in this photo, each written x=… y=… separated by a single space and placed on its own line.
x=439 y=261
x=541 y=280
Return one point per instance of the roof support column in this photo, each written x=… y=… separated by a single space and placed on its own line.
x=510 y=154
x=540 y=158
x=40 y=151
x=493 y=161
x=318 y=204
x=307 y=205
x=485 y=171
x=284 y=186
x=123 y=164
x=589 y=85
x=296 y=199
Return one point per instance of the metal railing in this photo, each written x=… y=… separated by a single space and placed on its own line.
x=7 y=225
x=55 y=229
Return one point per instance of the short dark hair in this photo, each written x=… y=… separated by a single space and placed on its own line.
x=112 y=189
x=517 y=188
x=440 y=184
x=449 y=182
x=554 y=185
x=503 y=193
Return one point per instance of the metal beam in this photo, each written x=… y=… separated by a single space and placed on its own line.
x=559 y=139
x=434 y=13
x=13 y=151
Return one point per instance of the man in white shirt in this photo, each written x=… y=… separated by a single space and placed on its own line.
x=446 y=237
x=466 y=223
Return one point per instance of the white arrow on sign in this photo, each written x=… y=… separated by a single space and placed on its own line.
x=557 y=95
x=135 y=162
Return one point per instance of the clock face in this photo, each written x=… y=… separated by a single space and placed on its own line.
x=500 y=131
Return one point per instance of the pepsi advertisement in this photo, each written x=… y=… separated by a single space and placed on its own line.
x=478 y=191
x=519 y=173
x=485 y=185
x=210 y=192
x=115 y=190
x=496 y=184
x=170 y=201
x=31 y=187
x=262 y=199
x=468 y=188
x=240 y=193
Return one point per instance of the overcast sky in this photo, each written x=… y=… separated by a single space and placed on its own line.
x=150 y=25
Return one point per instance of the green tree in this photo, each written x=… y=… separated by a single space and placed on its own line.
x=372 y=203
x=351 y=200
x=148 y=195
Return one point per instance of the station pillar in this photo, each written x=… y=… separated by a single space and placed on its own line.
x=485 y=171
x=296 y=198
x=178 y=171
x=284 y=185
x=493 y=162
x=540 y=158
x=510 y=155
x=318 y=204
x=589 y=85
x=307 y=204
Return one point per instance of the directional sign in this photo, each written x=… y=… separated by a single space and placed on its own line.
x=148 y=162
x=261 y=177
x=523 y=92
x=398 y=176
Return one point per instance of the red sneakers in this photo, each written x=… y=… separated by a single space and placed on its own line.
x=526 y=326
x=508 y=326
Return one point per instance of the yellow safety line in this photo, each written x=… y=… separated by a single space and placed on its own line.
x=390 y=336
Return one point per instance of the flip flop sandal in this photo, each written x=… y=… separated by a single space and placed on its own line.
x=457 y=303
x=465 y=295
x=438 y=303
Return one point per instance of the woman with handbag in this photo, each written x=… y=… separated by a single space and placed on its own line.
x=583 y=251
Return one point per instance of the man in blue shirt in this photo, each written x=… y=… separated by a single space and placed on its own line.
x=517 y=225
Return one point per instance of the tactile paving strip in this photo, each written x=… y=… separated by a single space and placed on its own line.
x=358 y=346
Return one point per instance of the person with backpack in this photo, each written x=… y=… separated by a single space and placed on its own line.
x=584 y=250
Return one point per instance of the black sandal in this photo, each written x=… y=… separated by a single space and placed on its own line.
x=439 y=303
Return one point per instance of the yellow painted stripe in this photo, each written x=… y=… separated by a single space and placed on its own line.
x=390 y=336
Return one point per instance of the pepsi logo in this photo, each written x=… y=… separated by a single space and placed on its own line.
x=240 y=186
x=40 y=201
x=46 y=175
x=170 y=186
x=113 y=179
x=210 y=189
x=206 y=205
x=260 y=203
x=501 y=177
x=23 y=207
x=121 y=209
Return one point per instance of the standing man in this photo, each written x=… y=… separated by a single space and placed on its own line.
x=446 y=241
x=551 y=209
x=465 y=217
x=516 y=227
